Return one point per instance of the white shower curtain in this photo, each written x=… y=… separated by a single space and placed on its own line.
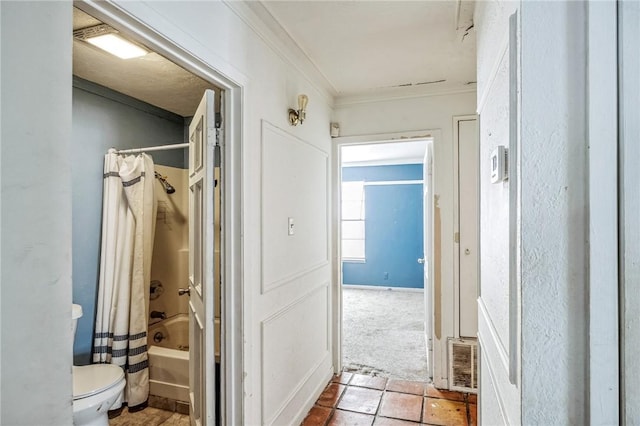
x=128 y=219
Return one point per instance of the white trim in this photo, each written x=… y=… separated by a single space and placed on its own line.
x=456 y=220
x=398 y=161
x=414 y=135
x=233 y=303
x=382 y=288
x=398 y=93
x=432 y=135
x=602 y=113
x=394 y=182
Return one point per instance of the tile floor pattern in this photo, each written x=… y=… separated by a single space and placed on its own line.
x=150 y=417
x=359 y=400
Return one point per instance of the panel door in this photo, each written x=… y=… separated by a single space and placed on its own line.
x=202 y=141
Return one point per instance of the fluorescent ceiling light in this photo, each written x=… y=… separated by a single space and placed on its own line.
x=117 y=46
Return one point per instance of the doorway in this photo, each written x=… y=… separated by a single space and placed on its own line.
x=383 y=315
x=223 y=241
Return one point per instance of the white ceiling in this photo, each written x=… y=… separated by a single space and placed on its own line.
x=360 y=47
x=409 y=152
x=364 y=46
x=151 y=78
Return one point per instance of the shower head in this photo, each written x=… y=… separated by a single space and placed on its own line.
x=168 y=188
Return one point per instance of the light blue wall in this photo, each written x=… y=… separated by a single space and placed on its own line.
x=103 y=119
x=393 y=228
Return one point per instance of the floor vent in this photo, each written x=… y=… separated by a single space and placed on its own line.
x=463 y=365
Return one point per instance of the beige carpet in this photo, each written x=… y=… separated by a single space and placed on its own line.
x=383 y=333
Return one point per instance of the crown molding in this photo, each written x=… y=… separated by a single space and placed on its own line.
x=259 y=19
x=399 y=93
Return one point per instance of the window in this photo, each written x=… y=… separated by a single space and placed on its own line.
x=353 y=221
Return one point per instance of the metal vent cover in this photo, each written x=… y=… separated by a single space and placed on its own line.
x=463 y=365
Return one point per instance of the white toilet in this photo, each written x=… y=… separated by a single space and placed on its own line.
x=96 y=388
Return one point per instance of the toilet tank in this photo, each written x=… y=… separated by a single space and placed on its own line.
x=76 y=312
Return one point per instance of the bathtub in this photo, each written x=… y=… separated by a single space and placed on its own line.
x=169 y=358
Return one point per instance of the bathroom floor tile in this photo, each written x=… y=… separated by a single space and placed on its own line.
x=444 y=412
x=361 y=400
x=177 y=420
x=331 y=395
x=347 y=418
x=405 y=386
x=317 y=416
x=372 y=382
x=147 y=417
x=401 y=406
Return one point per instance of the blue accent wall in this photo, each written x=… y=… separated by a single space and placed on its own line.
x=393 y=228
x=103 y=119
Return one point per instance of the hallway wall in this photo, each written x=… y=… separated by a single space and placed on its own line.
x=35 y=219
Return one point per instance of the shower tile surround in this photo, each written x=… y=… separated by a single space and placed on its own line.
x=170 y=247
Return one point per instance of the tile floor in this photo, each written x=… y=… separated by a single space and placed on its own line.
x=356 y=399
x=150 y=417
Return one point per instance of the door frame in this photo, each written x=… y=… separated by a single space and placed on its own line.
x=336 y=180
x=231 y=385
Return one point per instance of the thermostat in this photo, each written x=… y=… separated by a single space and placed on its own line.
x=499 y=164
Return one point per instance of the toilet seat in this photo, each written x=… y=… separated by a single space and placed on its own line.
x=89 y=380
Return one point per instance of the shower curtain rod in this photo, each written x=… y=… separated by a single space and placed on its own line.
x=153 y=148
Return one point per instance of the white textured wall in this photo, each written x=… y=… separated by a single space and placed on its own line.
x=420 y=113
x=550 y=386
x=36 y=213
x=281 y=298
x=554 y=226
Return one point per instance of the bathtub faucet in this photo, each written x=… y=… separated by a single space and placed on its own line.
x=157 y=314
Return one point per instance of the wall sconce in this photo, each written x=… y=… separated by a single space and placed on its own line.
x=297 y=117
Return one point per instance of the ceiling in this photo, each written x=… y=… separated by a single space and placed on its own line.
x=360 y=47
x=365 y=46
x=406 y=152
x=151 y=78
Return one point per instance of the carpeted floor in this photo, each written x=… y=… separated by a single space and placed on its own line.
x=383 y=333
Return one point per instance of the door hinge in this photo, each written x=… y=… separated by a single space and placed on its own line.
x=456 y=237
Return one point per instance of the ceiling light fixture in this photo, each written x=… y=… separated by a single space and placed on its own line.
x=298 y=116
x=109 y=40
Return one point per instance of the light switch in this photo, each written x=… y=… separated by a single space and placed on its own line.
x=291 y=229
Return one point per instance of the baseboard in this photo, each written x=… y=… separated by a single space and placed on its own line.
x=382 y=288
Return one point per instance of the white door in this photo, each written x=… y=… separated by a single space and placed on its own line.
x=427 y=258
x=202 y=141
x=468 y=217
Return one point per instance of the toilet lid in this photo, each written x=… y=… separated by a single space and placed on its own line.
x=92 y=379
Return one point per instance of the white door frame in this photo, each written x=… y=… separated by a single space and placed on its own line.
x=231 y=250
x=336 y=179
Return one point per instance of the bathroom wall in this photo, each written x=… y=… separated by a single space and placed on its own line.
x=103 y=119
x=393 y=227
x=169 y=264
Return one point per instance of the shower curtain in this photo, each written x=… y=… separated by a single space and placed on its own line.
x=128 y=225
